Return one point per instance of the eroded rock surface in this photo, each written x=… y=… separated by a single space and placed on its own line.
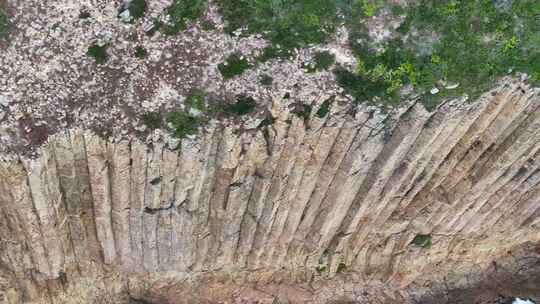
x=318 y=210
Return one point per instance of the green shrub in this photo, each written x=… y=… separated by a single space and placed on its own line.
x=98 y=52
x=137 y=8
x=324 y=60
x=181 y=13
x=288 y=24
x=183 y=124
x=242 y=106
x=140 y=52
x=4 y=23
x=233 y=65
x=422 y=240
x=324 y=108
x=152 y=120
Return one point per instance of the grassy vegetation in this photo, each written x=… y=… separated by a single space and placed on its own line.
x=475 y=44
x=140 y=52
x=422 y=240
x=242 y=106
x=233 y=65
x=180 y=13
x=322 y=60
x=4 y=22
x=98 y=52
x=287 y=24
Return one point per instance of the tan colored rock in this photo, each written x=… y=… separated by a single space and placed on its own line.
x=321 y=210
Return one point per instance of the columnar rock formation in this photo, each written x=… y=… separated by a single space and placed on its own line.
x=300 y=200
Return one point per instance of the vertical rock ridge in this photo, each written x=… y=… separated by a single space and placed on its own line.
x=69 y=185
x=120 y=199
x=207 y=186
x=46 y=214
x=82 y=175
x=137 y=189
x=264 y=179
x=168 y=203
x=99 y=162
x=152 y=204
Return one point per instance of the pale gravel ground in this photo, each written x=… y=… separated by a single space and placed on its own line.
x=48 y=83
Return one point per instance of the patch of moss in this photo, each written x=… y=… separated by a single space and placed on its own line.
x=233 y=65
x=180 y=13
x=182 y=124
x=422 y=240
x=98 y=52
x=4 y=22
x=140 y=52
x=242 y=106
x=152 y=120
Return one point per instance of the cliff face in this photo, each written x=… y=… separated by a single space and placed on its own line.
x=354 y=205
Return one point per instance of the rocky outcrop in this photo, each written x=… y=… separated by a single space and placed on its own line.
x=336 y=203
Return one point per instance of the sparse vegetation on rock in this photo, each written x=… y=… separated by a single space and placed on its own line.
x=180 y=13
x=152 y=120
x=182 y=124
x=286 y=24
x=140 y=52
x=242 y=106
x=422 y=240
x=4 y=22
x=458 y=47
x=234 y=65
x=98 y=52
x=322 y=60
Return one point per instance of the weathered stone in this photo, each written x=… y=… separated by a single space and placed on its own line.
x=333 y=202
